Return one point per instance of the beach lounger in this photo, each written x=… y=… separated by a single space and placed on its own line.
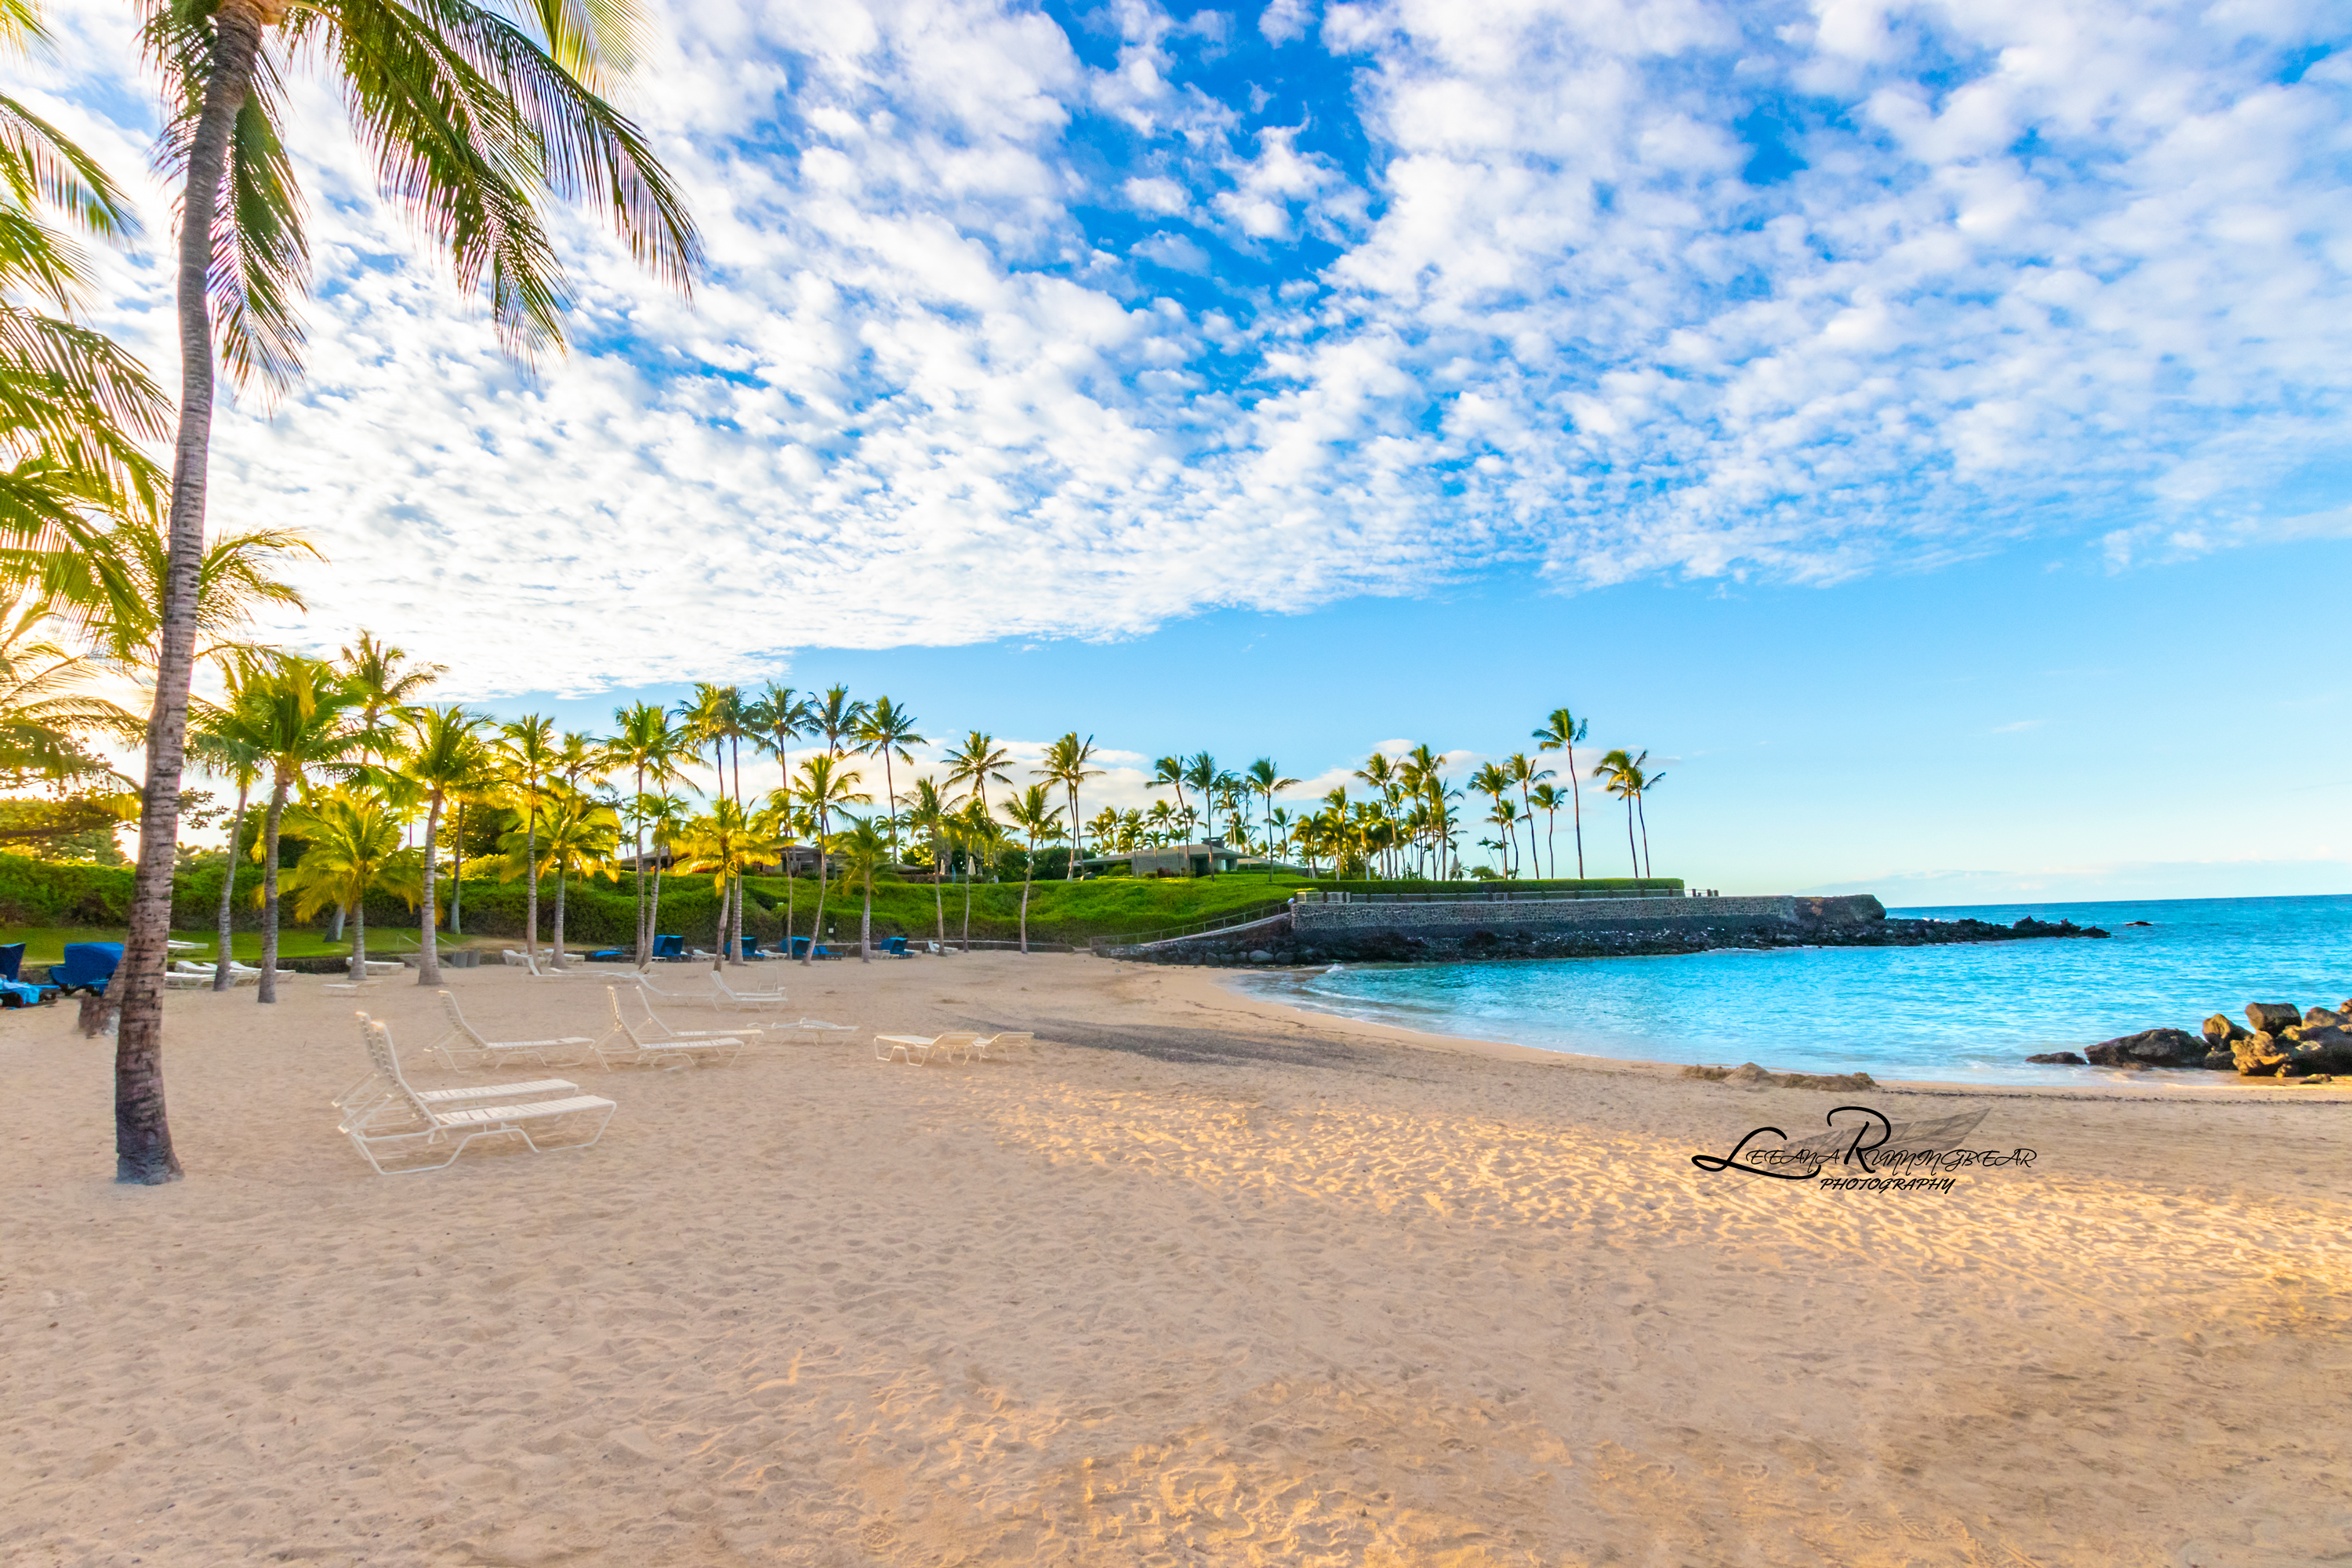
x=655 y=1028
x=393 y=1120
x=464 y=1040
x=726 y=995
x=625 y=1046
x=995 y=1047
x=816 y=1029
x=670 y=947
x=185 y=970
x=919 y=1048
x=88 y=966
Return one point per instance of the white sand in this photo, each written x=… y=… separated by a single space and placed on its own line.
x=1221 y=1283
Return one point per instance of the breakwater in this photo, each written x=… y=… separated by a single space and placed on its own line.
x=1434 y=929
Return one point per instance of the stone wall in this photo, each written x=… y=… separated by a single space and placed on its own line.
x=1312 y=919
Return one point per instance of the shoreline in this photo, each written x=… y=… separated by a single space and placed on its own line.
x=1239 y=984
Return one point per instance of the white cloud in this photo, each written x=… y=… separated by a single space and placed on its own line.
x=2091 y=285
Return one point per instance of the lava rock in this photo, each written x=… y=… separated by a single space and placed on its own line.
x=2060 y=1059
x=2221 y=1032
x=2222 y=1060
x=2323 y=1049
x=2321 y=1018
x=2270 y=1017
x=1261 y=956
x=2151 y=1047
x=2258 y=1056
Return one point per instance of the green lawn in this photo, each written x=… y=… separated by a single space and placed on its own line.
x=46 y=944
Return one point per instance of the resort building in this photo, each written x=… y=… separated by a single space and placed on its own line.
x=1207 y=858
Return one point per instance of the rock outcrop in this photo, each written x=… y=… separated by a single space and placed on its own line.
x=2270 y=1017
x=2151 y=1047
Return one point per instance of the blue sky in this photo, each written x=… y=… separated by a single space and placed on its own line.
x=1924 y=425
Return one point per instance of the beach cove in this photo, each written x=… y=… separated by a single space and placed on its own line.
x=1201 y=1278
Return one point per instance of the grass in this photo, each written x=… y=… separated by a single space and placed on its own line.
x=46 y=944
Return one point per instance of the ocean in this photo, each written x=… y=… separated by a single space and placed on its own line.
x=1966 y=1012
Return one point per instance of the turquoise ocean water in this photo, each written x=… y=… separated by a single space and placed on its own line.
x=1961 y=1013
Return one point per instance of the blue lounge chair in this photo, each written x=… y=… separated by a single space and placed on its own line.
x=607 y=956
x=89 y=965
x=12 y=959
x=751 y=949
x=895 y=946
x=669 y=946
x=16 y=992
x=800 y=947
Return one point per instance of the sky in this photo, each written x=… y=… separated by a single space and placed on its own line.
x=1921 y=427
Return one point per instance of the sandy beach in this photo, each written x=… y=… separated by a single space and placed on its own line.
x=1197 y=1279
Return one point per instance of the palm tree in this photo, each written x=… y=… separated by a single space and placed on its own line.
x=1201 y=772
x=1279 y=826
x=444 y=755
x=1548 y=799
x=466 y=117
x=1168 y=772
x=1034 y=813
x=977 y=764
x=978 y=834
x=1065 y=763
x=836 y=718
x=1627 y=781
x=721 y=842
x=302 y=717
x=643 y=742
x=781 y=715
x=374 y=670
x=1492 y=782
x=927 y=813
x=825 y=787
x=886 y=731
x=1268 y=780
x=575 y=832
x=665 y=819
x=1561 y=733
x=863 y=851
x=351 y=846
x=1525 y=774
x=715 y=717
x=526 y=759
x=227 y=739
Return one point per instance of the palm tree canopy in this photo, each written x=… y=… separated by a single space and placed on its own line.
x=977 y=764
x=886 y=728
x=351 y=846
x=471 y=115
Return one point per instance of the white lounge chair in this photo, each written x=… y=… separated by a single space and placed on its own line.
x=464 y=1040
x=919 y=1048
x=995 y=1047
x=623 y=1046
x=816 y=1029
x=726 y=995
x=385 y=1117
x=655 y=1028
x=524 y=961
x=237 y=974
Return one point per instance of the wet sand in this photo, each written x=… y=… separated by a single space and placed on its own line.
x=1198 y=1278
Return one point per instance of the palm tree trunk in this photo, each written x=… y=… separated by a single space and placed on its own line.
x=789 y=880
x=816 y=920
x=457 y=875
x=359 y=935
x=1077 y=836
x=530 y=899
x=429 y=954
x=653 y=920
x=1636 y=854
x=967 y=900
x=1641 y=809
x=736 y=956
x=266 y=991
x=642 y=947
x=222 y=980
x=1576 y=795
x=866 y=924
x=939 y=893
x=1025 y=874
x=563 y=865
x=142 y=1131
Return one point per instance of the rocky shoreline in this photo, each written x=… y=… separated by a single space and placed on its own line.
x=1275 y=944
x=2311 y=1045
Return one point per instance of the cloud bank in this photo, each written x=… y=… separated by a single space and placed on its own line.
x=1032 y=322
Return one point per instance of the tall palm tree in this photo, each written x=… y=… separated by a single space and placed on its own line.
x=644 y=744
x=864 y=850
x=1561 y=733
x=467 y=117
x=927 y=813
x=1034 y=812
x=1268 y=780
x=713 y=717
x=781 y=715
x=781 y=825
x=1168 y=772
x=1524 y=772
x=227 y=738
x=1065 y=763
x=303 y=719
x=977 y=764
x=1201 y=772
x=525 y=757
x=1548 y=799
x=836 y=718
x=979 y=837
x=445 y=756
x=1491 y=781
x=722 y=841
x=886 y=731
x=1627 y=781
x=825 y=786
x=575 y=832
x=388 y=684
x=350 y=848
x=666 y=818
